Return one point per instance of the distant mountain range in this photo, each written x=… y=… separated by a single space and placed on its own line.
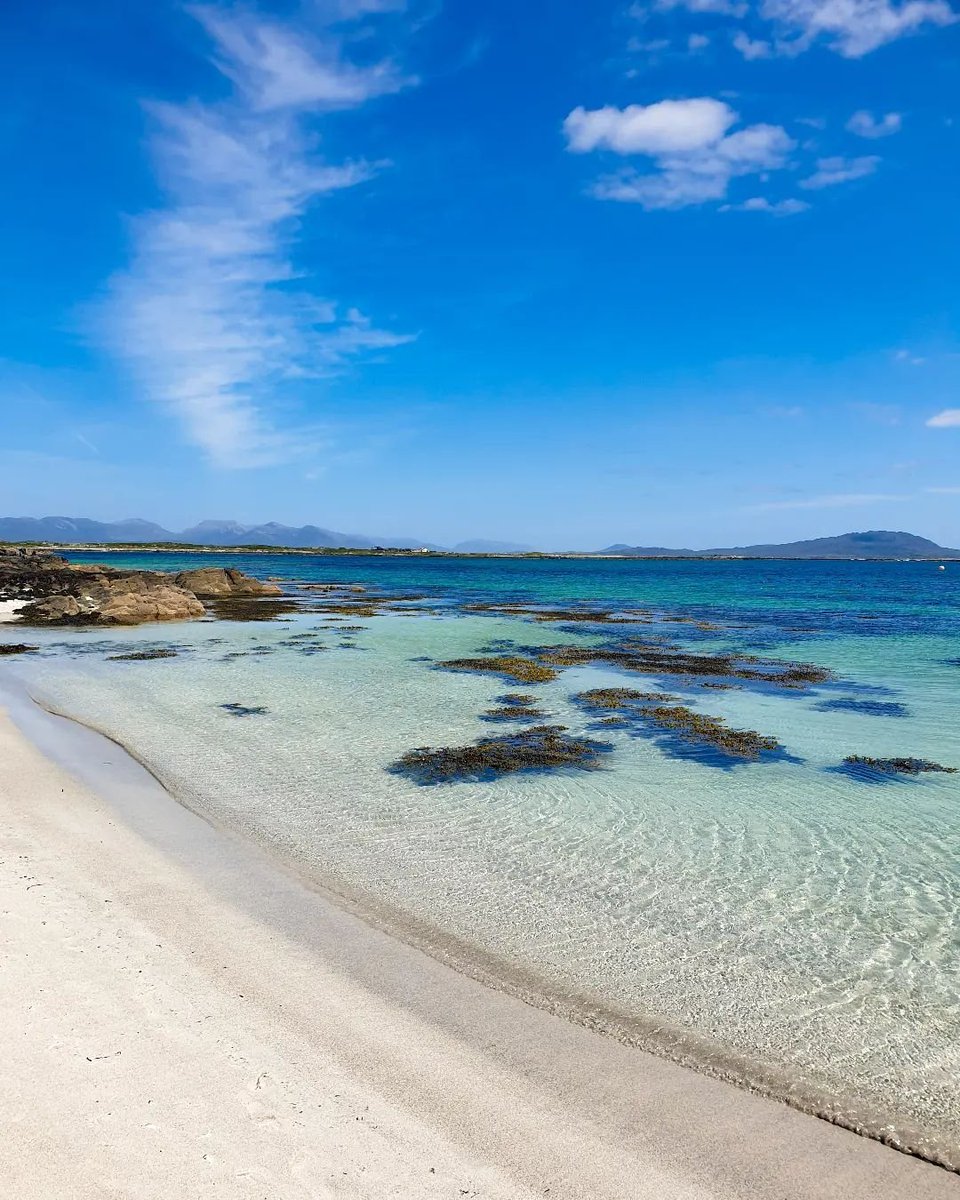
x=82 y=530
x=875 y=543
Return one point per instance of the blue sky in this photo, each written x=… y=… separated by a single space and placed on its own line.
x=672 y=272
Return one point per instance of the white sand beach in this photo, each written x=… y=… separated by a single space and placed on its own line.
x=184 y=1018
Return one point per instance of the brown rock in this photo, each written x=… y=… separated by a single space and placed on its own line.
x=211 y=582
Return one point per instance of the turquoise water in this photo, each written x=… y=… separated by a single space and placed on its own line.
x=779 y=922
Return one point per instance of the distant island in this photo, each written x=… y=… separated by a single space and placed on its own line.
x=874 y=543
x=274 y=537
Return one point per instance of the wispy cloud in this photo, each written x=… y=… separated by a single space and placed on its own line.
x=787 y=207
x=943 y=491
x=209 y=314
x=851 y=28
x=844 y=500
x=949 y=418
x=834 y=170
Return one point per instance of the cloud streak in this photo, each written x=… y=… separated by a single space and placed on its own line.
x=209 y=314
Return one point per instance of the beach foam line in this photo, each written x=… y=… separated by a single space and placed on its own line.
x=185 y=1017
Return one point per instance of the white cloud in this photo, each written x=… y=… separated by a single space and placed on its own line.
x=943 y=491
x=664 y=127
x=845 y=500
x=949 y=418
x=697 y=42
x=694 y=156
x=777 y=208
x=865 y=124
x=907 y=356
x=752 y=48
x=834 y=170
x=208 y=313
x=851 y=27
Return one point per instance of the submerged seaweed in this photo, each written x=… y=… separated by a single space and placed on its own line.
x=864 y=767
x=650 y=659
x=709 y=731
x=17 y=648
x=235 y=608
x=143 y=655
x=244 y=710
x=873 y=708
x=523 y=670
x=619 y=697
x=542 y=747
x=514 y=712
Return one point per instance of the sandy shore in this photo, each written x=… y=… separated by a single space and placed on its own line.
x=183 y=1018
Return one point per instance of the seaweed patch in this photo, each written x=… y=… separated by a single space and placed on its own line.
x=872 y=708
x=143 y=655
x=244 y=710
x=861 y=766
x=522 y=670
x=542 y=747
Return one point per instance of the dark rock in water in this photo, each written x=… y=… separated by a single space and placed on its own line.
x=864 y=766
x=143 y=655
x=872 y=708
x=244 y=710
x=16 y=648
x=523 y=670
x=542 y=747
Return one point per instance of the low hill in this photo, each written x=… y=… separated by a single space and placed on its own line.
x=874 y=543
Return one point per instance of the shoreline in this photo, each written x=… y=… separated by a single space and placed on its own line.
x=646 y=1034
x=600 y=1085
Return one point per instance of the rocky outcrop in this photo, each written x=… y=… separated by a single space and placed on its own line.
x=56 y=592
x=121 y=600
x=211 y=583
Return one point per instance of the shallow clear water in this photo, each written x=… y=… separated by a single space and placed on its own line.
x=791 y=914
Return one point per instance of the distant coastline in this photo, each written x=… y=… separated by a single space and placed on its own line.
x=404 y=552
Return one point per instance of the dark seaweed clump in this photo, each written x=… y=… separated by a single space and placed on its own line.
x=143 y=655
x=861 y=764
x=626 y=704
x=514 y=712
x=619 y=697
x=873 y=708
x=649 y=659
x=17 y=648
x=523 y=670
x=710 y=731
x=244 y=710
x=542 y=747
x=237 y=608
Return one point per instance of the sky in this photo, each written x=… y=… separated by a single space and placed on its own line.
x=669 y=272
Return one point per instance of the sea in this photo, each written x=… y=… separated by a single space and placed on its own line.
x=788 y=922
